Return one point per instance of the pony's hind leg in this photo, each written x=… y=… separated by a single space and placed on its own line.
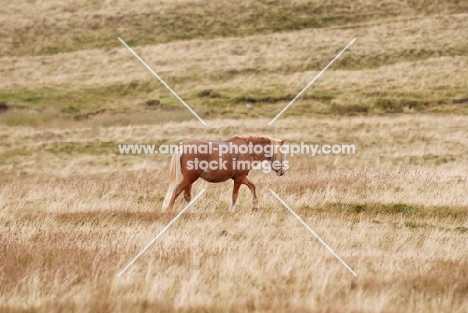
x=252 y=188
x=188 y=196
x=188 y=193
x=180 y=187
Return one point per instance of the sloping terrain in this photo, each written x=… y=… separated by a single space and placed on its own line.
x=74 y=210
x=410 y=56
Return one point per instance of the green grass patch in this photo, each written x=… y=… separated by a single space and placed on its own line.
x=414 y=225
x=461 y=229
x=396 y=208
x=82 y=100
x=393 y=105
x=349 y=109
x=31 y=107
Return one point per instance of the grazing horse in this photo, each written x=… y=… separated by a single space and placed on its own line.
x=218 y=161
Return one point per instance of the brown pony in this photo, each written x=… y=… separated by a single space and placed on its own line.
x=218 y=161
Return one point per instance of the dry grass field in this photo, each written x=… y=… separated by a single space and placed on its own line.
x=74 y=212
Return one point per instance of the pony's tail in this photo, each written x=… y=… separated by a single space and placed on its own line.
x=175 y=177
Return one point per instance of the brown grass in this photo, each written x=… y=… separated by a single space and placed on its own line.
x=52 y=26
x=396 y=212
x=411 y=63
x=74 y=212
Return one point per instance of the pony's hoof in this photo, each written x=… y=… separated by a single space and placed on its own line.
x=255 y=209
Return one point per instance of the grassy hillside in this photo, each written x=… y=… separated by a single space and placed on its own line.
x=67 y=64
x=51 y=26
x=74 y=211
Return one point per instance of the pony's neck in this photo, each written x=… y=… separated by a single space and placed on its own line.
x=265 y=154
x=258 y=140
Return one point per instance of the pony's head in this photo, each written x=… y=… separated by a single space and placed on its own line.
x=277 y=157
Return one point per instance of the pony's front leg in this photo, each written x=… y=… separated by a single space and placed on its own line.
x=235 y=193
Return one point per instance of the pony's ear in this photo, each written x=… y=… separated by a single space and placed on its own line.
x=282 y=142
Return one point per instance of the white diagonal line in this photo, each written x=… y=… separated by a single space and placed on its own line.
x=162 y=81
x=313 y=233
x=312 y=81
x=160 y=233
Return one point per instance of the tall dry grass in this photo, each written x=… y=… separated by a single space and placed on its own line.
x=396 y=212
x=74 y=212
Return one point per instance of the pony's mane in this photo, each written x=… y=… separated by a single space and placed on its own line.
x=257 y=139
